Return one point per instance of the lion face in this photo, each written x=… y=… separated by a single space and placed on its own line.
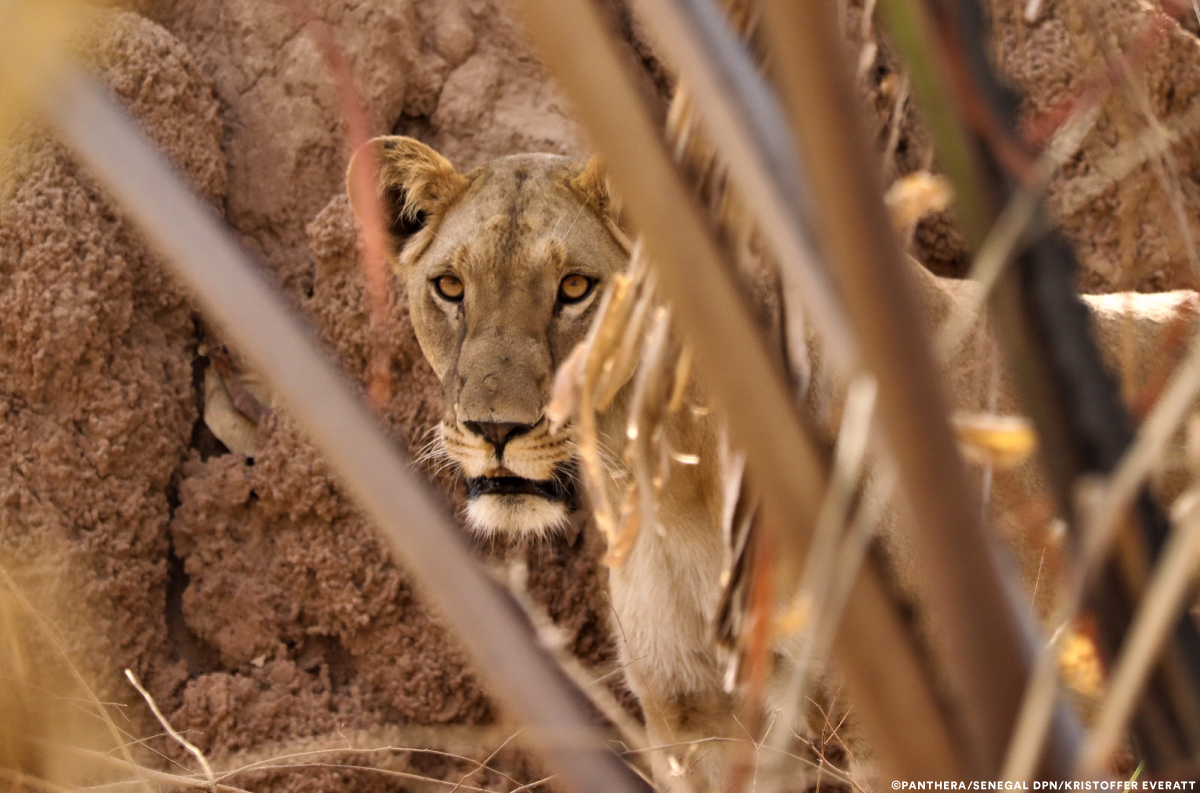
x=504 y=268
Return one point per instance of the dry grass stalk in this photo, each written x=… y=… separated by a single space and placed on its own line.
x=632 y=340
x=632 y=732
x=723 y=98
x=836 y=554
x=1164 y=599
x=981 y=634
x=364 y=184
x=876 y=648
x=391 y=740
x=48 y=632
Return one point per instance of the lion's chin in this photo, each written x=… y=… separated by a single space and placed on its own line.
x=522 y=514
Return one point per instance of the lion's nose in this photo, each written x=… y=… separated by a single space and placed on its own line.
x=497 y=433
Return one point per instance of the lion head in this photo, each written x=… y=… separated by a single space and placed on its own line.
x=504 y=267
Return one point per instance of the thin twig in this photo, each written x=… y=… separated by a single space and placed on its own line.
x=184 y=742
x=147 y=774
x=269 y=762
x=377 y=770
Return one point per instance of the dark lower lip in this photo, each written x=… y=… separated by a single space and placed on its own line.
x=549 y=489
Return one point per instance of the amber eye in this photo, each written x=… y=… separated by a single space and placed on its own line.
x=449 y=287
x=574 y=288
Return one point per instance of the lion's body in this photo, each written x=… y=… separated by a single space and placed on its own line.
x=510 y=233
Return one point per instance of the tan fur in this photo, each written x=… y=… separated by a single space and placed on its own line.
x=510 y=231
x=430 y=181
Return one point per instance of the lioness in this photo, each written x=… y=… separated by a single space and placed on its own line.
x=505 y=267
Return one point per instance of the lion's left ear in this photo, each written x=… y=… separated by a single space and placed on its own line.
x=415 y=183
x=593 y=186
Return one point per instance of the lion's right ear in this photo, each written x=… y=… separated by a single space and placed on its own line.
x=415 y=183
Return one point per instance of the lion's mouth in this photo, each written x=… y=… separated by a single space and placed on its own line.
x=549 y=489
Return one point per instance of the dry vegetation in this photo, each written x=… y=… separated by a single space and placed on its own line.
x=303 y=692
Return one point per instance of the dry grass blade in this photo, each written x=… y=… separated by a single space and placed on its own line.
x=914 y=196
x=620 y=367
x=912 y=31
x=357 y=747
x=1143 y=454
x=647 y=441
x=683 y=373
x=1163 y=601
x=813 y=613
x=806 y=609
x=1000 y=441
x=51 y=634
x=630 y=528
x=489 y=624
x=632 y=732
x=605 y=335
x=1105 y=508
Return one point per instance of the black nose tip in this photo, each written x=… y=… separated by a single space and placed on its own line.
x=497 y=433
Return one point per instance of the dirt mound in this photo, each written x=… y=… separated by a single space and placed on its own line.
x=96 y=344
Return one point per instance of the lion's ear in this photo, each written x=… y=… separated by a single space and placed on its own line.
x=592 y=185
x=415 y=183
